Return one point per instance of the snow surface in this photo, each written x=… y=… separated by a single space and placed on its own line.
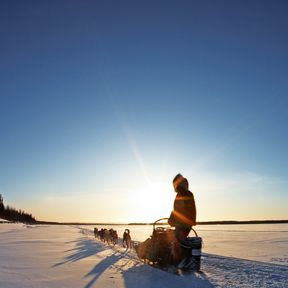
x=70 y=256
x=3 y=220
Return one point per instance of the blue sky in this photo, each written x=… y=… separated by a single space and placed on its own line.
x=102 y=103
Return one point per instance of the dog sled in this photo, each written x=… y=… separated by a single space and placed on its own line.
x=159 y=250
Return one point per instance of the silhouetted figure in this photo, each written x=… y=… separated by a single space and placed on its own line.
x=127 y=243
x=183 y=216
x=114 y=236
x=101 y=234
x=95 y=232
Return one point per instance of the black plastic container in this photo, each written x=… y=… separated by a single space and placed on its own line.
x=191 y=248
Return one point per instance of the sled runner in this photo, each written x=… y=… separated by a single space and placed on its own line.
x=159 y=250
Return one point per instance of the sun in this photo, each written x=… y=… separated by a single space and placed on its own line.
x=151 y=201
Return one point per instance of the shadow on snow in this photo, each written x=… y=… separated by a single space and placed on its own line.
x=101 y=267
x=132 y=270
x=136 y=273
x=84 y=248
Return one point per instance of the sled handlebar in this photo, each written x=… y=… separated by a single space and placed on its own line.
x=194 y=232
x=161 y=219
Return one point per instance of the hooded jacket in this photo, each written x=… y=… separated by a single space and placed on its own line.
x=184 y=210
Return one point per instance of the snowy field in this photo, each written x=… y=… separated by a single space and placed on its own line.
x=261 y=242
x=69 y=256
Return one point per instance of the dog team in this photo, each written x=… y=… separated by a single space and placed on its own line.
x=110 y=236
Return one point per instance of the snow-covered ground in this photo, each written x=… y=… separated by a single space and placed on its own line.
x=3 y=220
x=260 y=242
x=69 y=256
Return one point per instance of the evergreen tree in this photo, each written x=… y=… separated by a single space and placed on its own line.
x=11 y=214
x=1 y=205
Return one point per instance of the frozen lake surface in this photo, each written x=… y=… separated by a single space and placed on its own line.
x=260 y=242
x=56 y=256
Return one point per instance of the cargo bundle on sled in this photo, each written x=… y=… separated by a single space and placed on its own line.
x=159 y=249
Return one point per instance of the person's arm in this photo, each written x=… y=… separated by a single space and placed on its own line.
x=190 y=209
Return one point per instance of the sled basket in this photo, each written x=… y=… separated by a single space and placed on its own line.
x=157 y=248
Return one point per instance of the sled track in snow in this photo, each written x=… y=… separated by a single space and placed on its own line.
x=219 y=269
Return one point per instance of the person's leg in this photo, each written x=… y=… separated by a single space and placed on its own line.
x=180 y=234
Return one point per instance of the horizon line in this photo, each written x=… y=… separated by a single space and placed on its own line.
x=217 y=222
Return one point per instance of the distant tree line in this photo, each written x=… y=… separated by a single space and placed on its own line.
x=11 y=214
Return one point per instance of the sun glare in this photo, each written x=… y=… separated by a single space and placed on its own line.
x=151 y=202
